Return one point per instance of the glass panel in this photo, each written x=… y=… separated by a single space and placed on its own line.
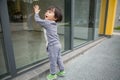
x=81 y=17
x=27 y=36
x=97 y=18
x=60 y=4
x=2 y=60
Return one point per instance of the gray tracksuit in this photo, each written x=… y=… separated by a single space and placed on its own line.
x=52 y=42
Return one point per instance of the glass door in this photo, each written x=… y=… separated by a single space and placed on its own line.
x=80 y=21
x=85 y=21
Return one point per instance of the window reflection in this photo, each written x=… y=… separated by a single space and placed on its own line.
x=27 y=36
x=82 y=32
x=81 y=17
x=97 y=15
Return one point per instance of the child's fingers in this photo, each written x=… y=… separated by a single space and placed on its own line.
x=36 y=6
x=36 y=9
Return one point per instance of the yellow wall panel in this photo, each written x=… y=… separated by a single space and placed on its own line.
x=111 y=17
x=102 y=16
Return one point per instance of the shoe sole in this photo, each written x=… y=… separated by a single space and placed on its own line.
x=52 y=79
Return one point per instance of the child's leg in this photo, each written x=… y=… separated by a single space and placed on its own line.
x=52 y=54
x=60 y=61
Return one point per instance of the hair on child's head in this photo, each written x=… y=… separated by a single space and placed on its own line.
x=57 y=12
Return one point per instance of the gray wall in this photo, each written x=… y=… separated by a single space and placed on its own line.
x=117 y=20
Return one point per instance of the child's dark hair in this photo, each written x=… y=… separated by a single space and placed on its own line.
x=58 y=13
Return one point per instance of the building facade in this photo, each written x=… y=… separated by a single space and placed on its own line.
x=117 y=19
x=22 y=42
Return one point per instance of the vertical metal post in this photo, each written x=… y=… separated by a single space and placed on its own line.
x=7 y=38
x=68 y=27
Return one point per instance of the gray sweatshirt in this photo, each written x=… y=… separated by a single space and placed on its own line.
x=50 y=30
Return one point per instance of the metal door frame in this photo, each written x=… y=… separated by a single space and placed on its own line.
x=8 y=48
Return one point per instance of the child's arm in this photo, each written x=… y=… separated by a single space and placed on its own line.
x=42 y=22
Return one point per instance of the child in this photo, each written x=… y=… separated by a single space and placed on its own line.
x=52 y=15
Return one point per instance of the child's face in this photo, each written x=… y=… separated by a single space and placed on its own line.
x=49 y=15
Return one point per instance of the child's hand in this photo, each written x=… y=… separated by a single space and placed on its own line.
x=36 y=9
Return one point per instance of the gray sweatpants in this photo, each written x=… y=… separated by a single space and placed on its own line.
x=55 y=59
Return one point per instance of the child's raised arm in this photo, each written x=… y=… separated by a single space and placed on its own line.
x=37 y=18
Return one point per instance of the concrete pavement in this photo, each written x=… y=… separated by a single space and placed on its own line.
x=101 y=62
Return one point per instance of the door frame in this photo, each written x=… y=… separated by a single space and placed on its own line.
x=8 y=47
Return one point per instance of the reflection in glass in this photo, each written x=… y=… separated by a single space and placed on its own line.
x=97 y=18
x=2 y=60
x=80 y=23
x=27 y=36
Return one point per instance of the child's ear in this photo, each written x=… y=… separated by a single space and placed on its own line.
x=55 y=19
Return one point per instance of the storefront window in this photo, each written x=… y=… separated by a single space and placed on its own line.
x=2 y=59
x=27 y=36
x=80 y=21
x=85 y=21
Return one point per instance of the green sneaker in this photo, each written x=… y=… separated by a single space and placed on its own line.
x=51 y=77
x=61 y=73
